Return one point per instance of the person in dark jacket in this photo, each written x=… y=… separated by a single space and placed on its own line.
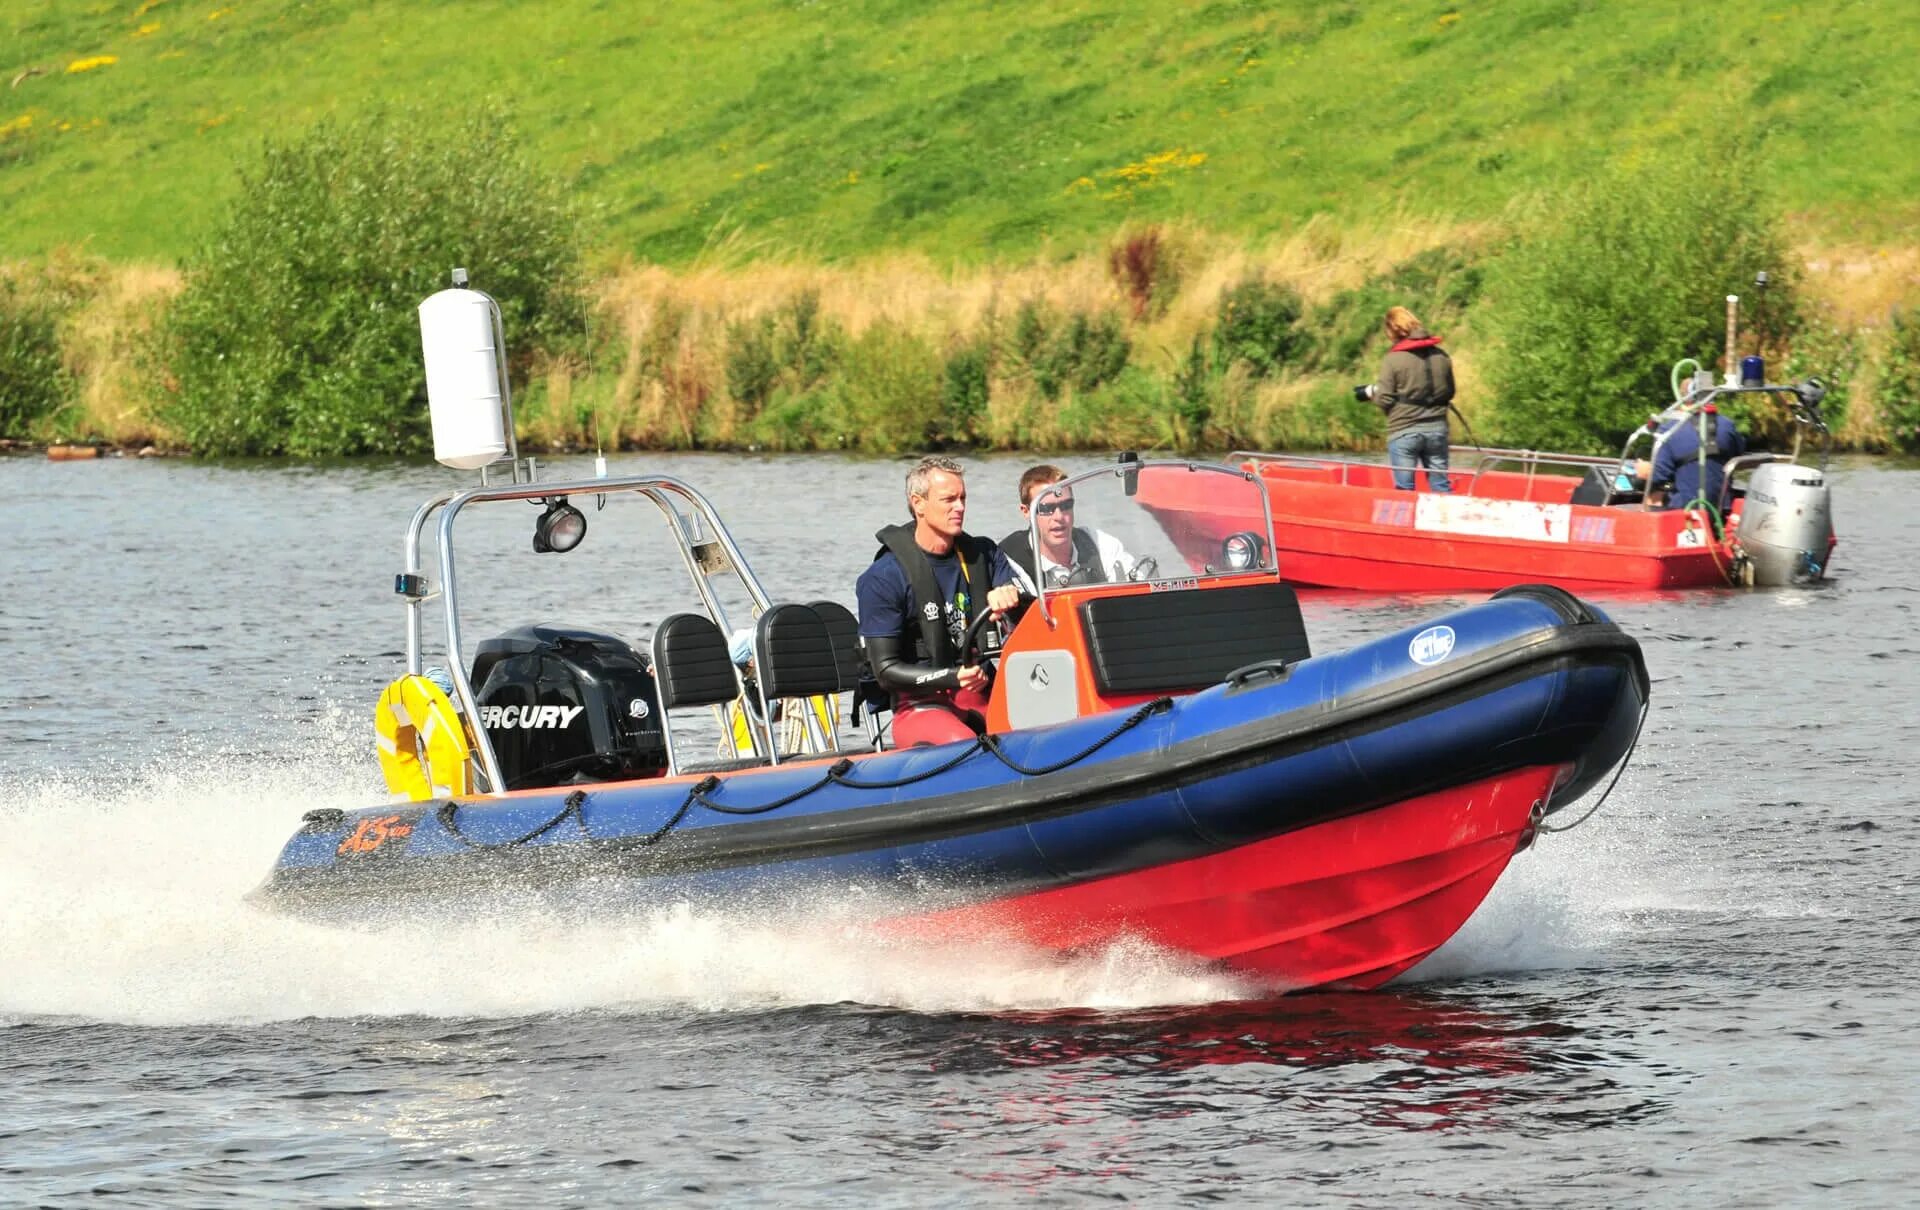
x=924 y=588
x=1677 y=465
x=1414 y=390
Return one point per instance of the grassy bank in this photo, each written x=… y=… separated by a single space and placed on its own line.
x=655 y=372
x=970 y=132
x=856 y=224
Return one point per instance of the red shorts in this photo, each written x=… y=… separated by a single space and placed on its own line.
x=939 y=718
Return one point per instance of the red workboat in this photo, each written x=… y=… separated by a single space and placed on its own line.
x=1521 y=516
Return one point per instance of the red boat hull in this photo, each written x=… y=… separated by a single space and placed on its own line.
x=1348 y=903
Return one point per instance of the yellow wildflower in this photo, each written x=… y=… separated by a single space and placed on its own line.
x=19 y=125
x=147 y=30
x=88 y=64
x=1143 y=174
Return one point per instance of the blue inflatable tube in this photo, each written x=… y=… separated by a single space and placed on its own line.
x=1531 y=678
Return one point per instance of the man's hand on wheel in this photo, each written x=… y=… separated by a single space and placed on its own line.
x=972 y=676
x=1003 y=598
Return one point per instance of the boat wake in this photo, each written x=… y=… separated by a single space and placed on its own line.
x=1566 y=903
x=126 y=901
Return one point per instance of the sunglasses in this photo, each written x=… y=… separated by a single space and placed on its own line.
x=1051 y=507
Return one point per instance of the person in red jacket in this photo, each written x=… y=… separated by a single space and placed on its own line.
x=1415 y=390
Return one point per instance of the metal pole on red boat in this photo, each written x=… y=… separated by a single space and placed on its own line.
x=1732 y=368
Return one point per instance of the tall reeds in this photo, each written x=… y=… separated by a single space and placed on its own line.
x=897 y=352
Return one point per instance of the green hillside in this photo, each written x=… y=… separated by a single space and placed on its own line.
x=970 y=130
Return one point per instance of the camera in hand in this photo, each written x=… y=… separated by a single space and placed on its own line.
x=1364 y=392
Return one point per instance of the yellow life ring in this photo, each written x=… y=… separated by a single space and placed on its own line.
x=422 y=742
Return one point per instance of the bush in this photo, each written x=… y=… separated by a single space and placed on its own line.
x=1195 y=387
x=1257 y=326
x=1614 y=282
x=297 y=331
x=887 y=388
x=965 y=391
x=1322 y=415
x=1899 y=385
x=790 y=351
x=1134 y=411
x=752 y=369
x=1079 y=354
x=1822 y=349
x=33 y=381
x=1347 y=334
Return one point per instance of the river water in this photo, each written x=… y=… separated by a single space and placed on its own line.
x=1703 y=996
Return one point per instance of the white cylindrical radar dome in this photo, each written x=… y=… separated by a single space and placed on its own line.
x=463 y=379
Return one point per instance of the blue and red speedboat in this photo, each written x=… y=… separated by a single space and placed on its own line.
x=1166 y=758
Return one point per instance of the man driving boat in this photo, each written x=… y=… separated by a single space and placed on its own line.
x=927 y=584
x=1068 y=553
x=1678 y=467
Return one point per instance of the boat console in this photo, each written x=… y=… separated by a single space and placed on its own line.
x=553 y=705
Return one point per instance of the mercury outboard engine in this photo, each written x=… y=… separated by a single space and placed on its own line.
x=562 y=705
x=1785 y=522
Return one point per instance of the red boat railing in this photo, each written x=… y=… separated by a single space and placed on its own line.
x=1530 y=462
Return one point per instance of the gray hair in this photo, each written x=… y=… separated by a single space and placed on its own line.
x=921 y=476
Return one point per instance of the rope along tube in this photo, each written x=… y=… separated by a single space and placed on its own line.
x=992 y=742
x=836 y=773
x=1618 y=770
x=447 y=810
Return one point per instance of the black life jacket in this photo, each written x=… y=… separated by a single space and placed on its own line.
x=1434 y=395
x=934 y=644
x=1086 y=556
x=1709 y=435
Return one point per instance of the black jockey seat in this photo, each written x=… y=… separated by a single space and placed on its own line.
x=843 y=631
x=869 y=700
x=794 y=657
x=691 y=667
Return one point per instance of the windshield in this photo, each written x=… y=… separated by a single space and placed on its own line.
x=1159 y=522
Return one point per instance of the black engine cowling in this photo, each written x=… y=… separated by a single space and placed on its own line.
x=562 y=705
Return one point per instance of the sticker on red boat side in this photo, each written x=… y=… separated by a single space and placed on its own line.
x=1393 y=512
x=1431 y=645
x=1484 y=517
x=1593 y=529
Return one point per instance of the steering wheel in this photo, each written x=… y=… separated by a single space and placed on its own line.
x=970 y=650
x=1144 y=569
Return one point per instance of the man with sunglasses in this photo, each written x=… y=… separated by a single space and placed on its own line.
x=1069 y=554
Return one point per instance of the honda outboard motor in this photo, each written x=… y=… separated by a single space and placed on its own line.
x=1785 y=522
x=562 y=705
